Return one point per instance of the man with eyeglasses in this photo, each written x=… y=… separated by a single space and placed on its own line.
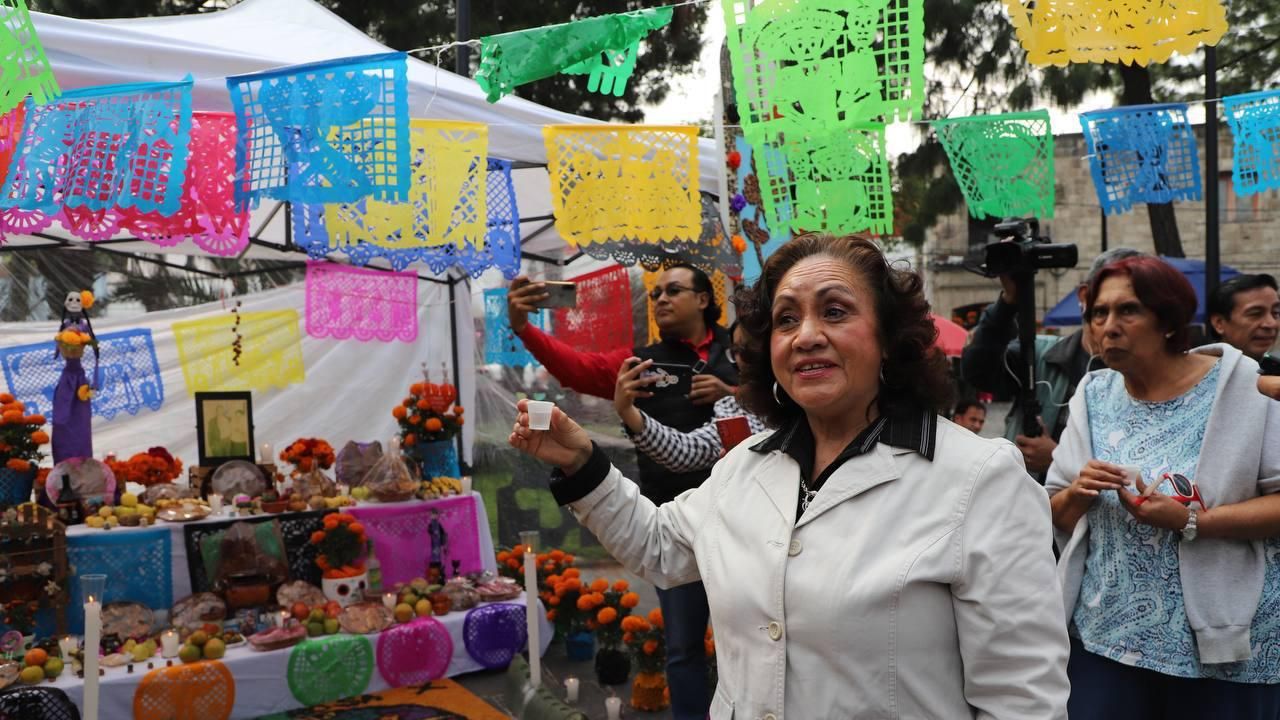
x=686 y=312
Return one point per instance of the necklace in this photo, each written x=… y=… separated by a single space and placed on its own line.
x=806 y=496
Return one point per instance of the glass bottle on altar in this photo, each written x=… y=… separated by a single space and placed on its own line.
x=70 y=510
x=373 y=569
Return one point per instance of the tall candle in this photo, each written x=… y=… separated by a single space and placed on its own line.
x=66 y=645
x=92 y=640
x=169 y=644
x=571 y=690
x=531 y=615
x=266 y=457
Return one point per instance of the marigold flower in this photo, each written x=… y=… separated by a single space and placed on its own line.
x=551 y=616
x=317 y=537
x=655 y=617
x=398 y=412
x=630 y=600
x=584 y=603
x=571 y=572
x=84 y=393
x=5 y=398
x=503 y=555
x=11 y=416
x=606 y=615
x=621 y=586
x=650 y=647
x=599 y=585
x=433 y=425
x=18 y=465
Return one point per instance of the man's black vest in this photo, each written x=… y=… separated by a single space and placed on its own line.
x=674 y=409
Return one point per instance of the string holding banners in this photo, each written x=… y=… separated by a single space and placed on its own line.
x=26 y=67
x=1142 y=153
x=1003 y=163
x=97 y=148
x=1255 y=124
x=1058 y=32
x=637 y=183
x=332 y=131
x=816 y=64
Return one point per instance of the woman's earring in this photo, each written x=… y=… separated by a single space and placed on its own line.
x=882 y=382
x=1168 y=335
x=775 y=393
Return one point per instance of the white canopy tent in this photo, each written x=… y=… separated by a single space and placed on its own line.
x=257 y=35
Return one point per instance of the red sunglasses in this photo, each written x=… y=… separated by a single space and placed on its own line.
x=1185 y=490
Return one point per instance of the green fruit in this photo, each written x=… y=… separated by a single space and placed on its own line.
x=315 y=629
x=189 y=653
x=214 y=649
x=130 y=644
x=330 y=626
x=53 y=668
x=31 y=674
x=199 y=638
x=141 y=652
x=317 y=615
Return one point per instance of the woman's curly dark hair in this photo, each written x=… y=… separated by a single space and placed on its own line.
x=916 y=374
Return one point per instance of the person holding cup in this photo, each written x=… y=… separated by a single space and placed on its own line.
x=1162 y=498
x=675 y=450
x=866 y=559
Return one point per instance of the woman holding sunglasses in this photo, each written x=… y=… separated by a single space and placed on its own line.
x=1161 y=498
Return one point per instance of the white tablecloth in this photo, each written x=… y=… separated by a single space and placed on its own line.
x=178 y=546
x=262 y=685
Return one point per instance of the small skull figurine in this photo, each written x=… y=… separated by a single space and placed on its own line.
x=347 y=591
x=73 y=303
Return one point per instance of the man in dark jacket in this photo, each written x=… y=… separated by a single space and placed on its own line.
x=1244 y=312
x=685 y=310
x=988 y=361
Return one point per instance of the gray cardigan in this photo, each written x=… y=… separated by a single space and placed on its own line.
x=1239 y=460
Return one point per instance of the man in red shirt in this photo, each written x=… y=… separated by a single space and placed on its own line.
x=685 y=310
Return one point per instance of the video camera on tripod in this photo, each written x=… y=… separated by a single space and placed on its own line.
x=1020 y=254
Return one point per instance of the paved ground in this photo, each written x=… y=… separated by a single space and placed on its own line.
x=556 y=666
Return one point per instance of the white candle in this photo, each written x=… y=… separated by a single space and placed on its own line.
x=169 y=644
x=92 y=640
x=613 y=706
x=282 y=618
x=266 y=458
x=571 y=690
x=215 y=503
x=67 y=645
x=531 y=616
x=389 y=599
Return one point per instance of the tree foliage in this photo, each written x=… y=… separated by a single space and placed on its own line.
x=667 y=55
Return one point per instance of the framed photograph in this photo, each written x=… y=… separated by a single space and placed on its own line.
x=224 y=427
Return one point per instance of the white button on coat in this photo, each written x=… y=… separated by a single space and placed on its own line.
x=795 y=548
x=775 y=631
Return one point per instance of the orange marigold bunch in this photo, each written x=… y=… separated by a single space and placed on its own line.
x=307 y=454
x=341 y=545
x=148 y=468
x=571 y=604
x=20 y=435
x=428 y=413
x=611 y=605
x=646 y=640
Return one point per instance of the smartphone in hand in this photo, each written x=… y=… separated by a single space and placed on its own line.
x=1269 y=365
x=560 y=294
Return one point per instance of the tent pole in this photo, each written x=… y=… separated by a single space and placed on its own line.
x=463 y=60
x=1211 y=256
x=453 y=348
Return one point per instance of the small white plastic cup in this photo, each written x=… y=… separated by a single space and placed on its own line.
x=1131 y=474
x=540 y=414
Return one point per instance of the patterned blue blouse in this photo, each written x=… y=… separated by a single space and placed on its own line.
x=1130 y=607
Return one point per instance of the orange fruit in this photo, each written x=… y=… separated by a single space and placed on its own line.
x=36 y=656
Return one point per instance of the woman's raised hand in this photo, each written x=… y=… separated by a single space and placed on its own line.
x=566 y=445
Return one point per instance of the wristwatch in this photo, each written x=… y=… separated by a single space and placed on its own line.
x=1189 y=531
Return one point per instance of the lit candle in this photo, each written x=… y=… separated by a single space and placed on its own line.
x=266 y=458
x=67 y=645
x=215 y=503
x=169 y=644
x=343 y=490
x=282 y=618
x=571 y=689
x=613 y=706
x=389 y=599
x=529 y=539
x=92 y=586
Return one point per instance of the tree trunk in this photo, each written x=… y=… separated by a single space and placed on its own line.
x=1164 y=224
